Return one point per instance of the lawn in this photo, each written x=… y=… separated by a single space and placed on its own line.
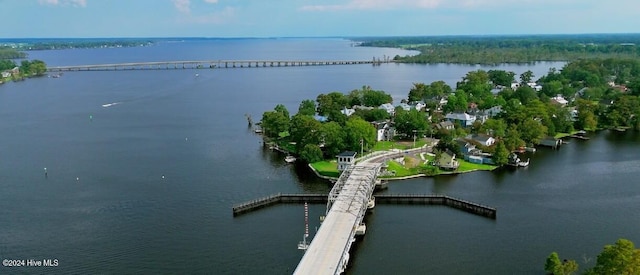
x=326 y=168
x=388 y=145
x=400 y=170
x=466 y=166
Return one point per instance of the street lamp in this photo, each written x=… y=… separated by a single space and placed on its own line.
x=414 y=138
x=361 y=147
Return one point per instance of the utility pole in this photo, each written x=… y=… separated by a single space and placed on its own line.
x=361 y=147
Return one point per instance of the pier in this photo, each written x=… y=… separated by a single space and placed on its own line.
x=210 y=64
x=416 y=199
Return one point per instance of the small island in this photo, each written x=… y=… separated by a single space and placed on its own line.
x=484 y=123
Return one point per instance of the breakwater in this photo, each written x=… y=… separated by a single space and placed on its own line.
x=418 y=199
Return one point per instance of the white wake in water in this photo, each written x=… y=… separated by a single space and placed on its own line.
x=110 y=104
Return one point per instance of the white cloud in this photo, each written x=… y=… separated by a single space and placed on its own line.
x=183 y=6
x=211 y=1
x=75 y=3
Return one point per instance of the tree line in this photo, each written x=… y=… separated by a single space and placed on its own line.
x=10 y=53
x=511 y=49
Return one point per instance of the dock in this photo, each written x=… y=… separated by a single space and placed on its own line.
x=415 y=199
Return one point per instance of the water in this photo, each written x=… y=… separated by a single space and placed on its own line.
x=105 y=207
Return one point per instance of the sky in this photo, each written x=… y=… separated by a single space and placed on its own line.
x=312 y=18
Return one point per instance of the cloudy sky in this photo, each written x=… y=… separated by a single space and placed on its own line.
x=312 y=18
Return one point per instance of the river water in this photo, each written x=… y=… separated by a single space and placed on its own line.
x=143 y=167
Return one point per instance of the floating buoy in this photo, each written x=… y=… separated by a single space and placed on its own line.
x=162 y=176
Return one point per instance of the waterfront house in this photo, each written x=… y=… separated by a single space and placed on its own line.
x=448 y=161
x=462 y=119
x=405 y=106
x=465 y=146
x=483 y=140
x=6 y=74
x=346 y=159
x=551 y=142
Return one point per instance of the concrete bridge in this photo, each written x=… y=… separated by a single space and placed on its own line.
x=210 y=64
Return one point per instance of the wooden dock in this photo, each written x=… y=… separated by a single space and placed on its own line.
x=278 y=198
x=467 y=206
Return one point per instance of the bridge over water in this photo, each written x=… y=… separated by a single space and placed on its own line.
x=210 y=64
x=347 y=204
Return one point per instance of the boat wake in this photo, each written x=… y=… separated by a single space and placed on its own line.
x=110 y=104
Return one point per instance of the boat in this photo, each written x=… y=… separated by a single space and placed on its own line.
x=290 y=159
x=523 y=163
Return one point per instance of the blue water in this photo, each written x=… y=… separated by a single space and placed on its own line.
x=104 y=206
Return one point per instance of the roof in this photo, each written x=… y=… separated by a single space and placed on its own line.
x=459 y=116
x=481 y=138
x=347 y=154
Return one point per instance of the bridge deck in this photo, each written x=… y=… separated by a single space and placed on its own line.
x=328 y=252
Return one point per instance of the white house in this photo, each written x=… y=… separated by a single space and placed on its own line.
x=6 y=74
x=559 y=99
x=347 y=112
x=388 y=107
x=482 y=139
x=493 y=111
x=463 y=119
x=345 y=159
x=405 y=106
x=384 y=130
x=419 y=105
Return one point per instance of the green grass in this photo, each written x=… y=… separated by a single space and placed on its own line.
x=403 y=145
x=326 y=168
x=562 y=135
x=400 y=170
x=466 y=166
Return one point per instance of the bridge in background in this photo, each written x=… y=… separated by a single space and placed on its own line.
x=211 y=64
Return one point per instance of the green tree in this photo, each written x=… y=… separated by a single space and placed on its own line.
x=333 y=137
x=331 y=103
x=553 y=263
x=494 y=127
x=622 y=258
x=526 y=77
x=307 y=107
x=283 y=110
x=501 y=77
x=532 y=131
x=374 y=98
x=406 y=122
x=554 y=266
x=417 y=92
x=274 y=123
x=304 y=130
x=358 y=130
x=311 y=153
x=501 y=154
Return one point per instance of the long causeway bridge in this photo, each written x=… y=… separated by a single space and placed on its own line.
x=210 y=64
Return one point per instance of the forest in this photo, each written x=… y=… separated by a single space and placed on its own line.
x=600 y=94
x=510 y=49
